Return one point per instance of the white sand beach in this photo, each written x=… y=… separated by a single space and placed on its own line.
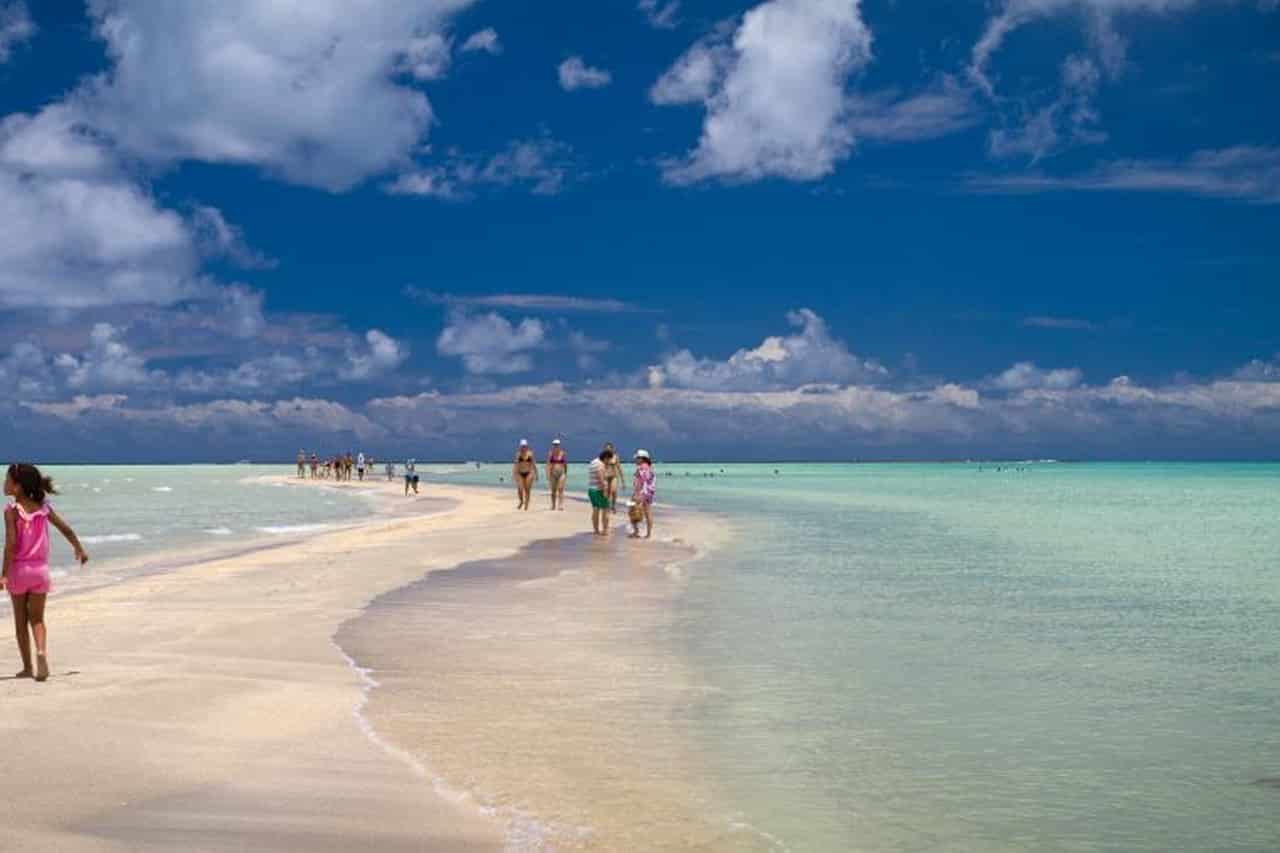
x=209 y=708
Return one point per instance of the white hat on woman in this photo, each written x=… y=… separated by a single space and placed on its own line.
x=643 y=454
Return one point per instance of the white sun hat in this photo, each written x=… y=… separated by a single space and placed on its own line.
x=555 y=441
x=524 y=442
x=643 y=454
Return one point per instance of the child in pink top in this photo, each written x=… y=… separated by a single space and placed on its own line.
x=26 y=559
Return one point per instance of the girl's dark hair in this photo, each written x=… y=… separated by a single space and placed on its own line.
x=34 y=485
x=606 y=455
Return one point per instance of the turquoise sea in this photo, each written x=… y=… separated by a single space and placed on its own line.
x=1066 y=657
x=1048 y=657
x=134 y=518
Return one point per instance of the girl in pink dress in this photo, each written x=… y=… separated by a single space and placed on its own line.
x=643 y=490
x=26 y=559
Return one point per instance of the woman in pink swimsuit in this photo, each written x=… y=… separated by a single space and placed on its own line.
x=26 y=559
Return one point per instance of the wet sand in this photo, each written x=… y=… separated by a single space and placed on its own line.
x=546 y=687
x=208 y=708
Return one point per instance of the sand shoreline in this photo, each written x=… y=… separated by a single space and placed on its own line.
x=209 y=707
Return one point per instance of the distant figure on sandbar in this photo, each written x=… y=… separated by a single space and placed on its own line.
x=557 y=473
x=302 y=464
x=525 y=472
x=644 y=487
x=597 y=492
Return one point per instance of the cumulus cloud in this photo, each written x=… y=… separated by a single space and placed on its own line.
x=308 y=97
x=490 y=344
x=484 y=41
x=381 y=353
x=809 y=356
x=661 y=14
x=1025 y=375
x=109 y=363
x=575 y=74
x=428 y=57
x=773 y=91
x=16 y=27
x=78 y=231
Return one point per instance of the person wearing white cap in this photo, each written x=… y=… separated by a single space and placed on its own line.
x=557 y=473
x=643 y=489
x=525 y=472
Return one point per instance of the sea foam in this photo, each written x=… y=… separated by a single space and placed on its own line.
x=111 y=537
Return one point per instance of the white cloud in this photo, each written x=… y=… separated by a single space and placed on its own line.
x=541 y=164
x=1258 y=370
x=382 y=353
x=16 y=27
x=1014 y=14
x=575 y=74
x=490 y=344
x=1070 y=119
x=1244 y=172
x=809 y=356
x=219 y=238
x=485 y=41
x=586 y=350
x=305 y=92
x=943 y=108
x=1048 y=322
x=429 y=57
x=108 y=364
x=78 y=231
x=529 y=302
x=1025 y=375
x=661 y=14
x=774 y=93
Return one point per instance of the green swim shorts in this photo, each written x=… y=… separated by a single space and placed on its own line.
x=599 y=500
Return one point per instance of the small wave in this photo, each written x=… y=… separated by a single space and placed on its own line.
x=58 y=573
x=110 y=537
x=219 y=531
x=293 y=528
x=162 y=488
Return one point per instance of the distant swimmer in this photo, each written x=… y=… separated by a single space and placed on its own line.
x=525 y=473
x=302 y=464
x=557 y=473
x=410 y=476
x=360 y=465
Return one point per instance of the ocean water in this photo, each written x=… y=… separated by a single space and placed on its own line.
x=151 y=517
x=882 y=658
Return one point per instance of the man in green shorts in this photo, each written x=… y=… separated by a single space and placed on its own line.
x=597 y=492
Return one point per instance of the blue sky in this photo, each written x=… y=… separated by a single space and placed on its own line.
x=786 y=229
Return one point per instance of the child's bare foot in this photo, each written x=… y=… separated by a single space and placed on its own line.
x=42 y=668
x=26 y=673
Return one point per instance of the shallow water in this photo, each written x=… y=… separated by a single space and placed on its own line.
x=134 y=518
x=901 y=657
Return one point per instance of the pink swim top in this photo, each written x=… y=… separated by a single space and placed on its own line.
x=32 y=544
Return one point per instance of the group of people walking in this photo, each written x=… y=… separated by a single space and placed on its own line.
x=340 y=467
x=605 y=476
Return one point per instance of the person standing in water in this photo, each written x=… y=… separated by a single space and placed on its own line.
x=525 y=472
x=596 y=492
x=302 y=464
x=557 y=473
x=410 y=476
x=643 y=489
x=613 y=476
x=360 y=466
x=26 y=560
